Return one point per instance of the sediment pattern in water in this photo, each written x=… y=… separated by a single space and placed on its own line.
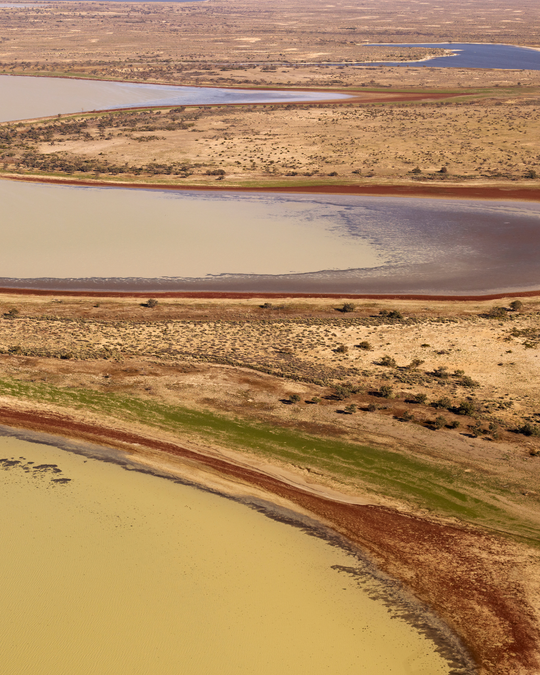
x=110 y=571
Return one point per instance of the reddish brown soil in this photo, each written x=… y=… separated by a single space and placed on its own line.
x=463 y=574
x=441 y=191
x=202 y=295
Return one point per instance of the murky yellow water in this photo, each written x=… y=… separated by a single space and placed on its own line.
x=65 y=232
x=120 y=572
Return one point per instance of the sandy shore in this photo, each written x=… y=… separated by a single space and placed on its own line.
x=477 y=584
x=484 y=192
x=204 y=295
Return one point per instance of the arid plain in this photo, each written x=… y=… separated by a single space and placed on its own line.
x=426 y=408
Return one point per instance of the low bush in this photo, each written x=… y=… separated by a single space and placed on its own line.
x=443 y=402
x=386 y=391
x=466 y=408
x=365 y=345
x=388 y=361
x=439 y=422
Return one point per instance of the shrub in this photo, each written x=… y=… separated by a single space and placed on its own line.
x=367 y=346
x=454 y=424
x=516 y=305
x=496 y=313
x=371 y=407
x=350 y=409
x=467 y=381
x=348 y=307
x=441 y=372
x=12 y=314
x=295 y=398
x=391 y=314
x=419 y=398
x=407 y=416
x=477 y=430
x=415 y=364
x=466 y=408
x=341 y=349
x=531 y=173
x=386 y=391
x=387 y=361
x=343 y=391
x=443 y=402
x=529 y=429
x=439 y=422
x=152 y=302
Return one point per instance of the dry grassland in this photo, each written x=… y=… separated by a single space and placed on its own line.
x=493 y=138
x=449 y=360
x=243 y=44
x=223 y=42
x=455 y=384
x=156 y=37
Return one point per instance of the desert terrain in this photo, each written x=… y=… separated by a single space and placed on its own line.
x=417 y=418
x=424 y=409
x=405 y=125
x=155 y=39
x=488 y=139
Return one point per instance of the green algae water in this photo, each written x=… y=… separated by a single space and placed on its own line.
x=105 y=570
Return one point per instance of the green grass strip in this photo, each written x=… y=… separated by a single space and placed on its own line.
x=441 y=490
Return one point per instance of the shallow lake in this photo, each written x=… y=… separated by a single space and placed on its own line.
x=470 y=55
x=112 y=571
x=63 y=237
x=31 y=97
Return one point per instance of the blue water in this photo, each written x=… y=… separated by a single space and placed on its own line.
x=466 y=55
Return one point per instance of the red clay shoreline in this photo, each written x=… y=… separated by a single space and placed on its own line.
x=215 y=295
x=276 y=87
x=452 y=568
x=432 y=191
x=357 y=97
